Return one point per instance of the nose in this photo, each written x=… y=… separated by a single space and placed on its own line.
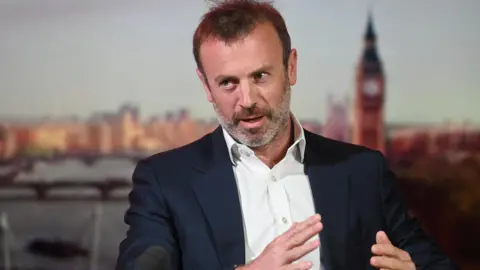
x=247 y=95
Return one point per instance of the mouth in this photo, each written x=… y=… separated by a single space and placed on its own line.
x=252 y=122
x=251 y=119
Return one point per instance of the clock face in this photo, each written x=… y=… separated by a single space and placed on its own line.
x=371 y=88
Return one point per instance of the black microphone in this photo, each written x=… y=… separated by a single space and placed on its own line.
x=153 y=258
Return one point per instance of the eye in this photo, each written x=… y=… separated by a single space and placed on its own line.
x=259 y=76
x=227 y=84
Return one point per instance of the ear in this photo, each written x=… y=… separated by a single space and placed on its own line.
x=292 y=67
x=206 y=87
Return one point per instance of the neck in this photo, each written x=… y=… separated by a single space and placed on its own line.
x=276 y=150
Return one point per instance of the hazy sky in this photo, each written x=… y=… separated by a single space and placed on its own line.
x=81 y=56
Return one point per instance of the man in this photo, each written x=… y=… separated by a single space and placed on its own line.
x=260 y=192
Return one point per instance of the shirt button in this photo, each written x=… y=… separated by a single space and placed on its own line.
x=274 y=179
x=285 y=220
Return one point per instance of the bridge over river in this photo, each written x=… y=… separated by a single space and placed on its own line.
x=65 y=189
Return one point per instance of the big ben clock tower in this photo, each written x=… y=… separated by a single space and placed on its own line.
x=368 y=127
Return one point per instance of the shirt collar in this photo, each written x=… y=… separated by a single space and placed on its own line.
x=297 y=148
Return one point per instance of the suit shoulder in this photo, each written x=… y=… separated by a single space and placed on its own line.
x=338 y=146
x=343 y=150
x=182 y=155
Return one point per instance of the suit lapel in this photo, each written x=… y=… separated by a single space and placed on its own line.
x=330 y=188
x=217 y=194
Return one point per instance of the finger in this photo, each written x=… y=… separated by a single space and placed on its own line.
x=300 y=251
x=298 y=266
x=391 y=251
x=388 y=263
x=301 y=237
x=382 y=238
x=299 y=226
x=405 y=266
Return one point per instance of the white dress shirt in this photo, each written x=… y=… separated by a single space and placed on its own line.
x=272 y=199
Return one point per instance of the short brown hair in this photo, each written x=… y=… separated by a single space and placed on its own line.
x=230 y=20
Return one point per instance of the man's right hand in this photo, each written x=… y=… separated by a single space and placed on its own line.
x=289 y=247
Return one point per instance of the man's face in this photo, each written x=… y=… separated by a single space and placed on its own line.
x=248 y=85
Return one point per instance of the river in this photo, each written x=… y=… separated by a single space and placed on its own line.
x=67 y=220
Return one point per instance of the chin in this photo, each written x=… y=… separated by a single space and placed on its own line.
x=260 y=140
x=249 y=139
x=255 y=143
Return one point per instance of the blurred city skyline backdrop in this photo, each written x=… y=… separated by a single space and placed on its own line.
x=83 y=57
x=89 y=87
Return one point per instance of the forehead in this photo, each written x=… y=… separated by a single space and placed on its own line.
x=260 y=47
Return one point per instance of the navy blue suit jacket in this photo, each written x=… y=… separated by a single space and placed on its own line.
x=186 y=201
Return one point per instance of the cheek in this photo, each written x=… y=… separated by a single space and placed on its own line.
x=225 y=104
x=274 y=98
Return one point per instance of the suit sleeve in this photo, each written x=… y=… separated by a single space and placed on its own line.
x=148 y=218
x=405 y=231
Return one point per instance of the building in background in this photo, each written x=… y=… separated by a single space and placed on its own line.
x=7 y=142
x=368 y=123
x=337 y=124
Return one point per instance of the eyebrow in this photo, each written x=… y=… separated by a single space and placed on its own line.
x=265 y=68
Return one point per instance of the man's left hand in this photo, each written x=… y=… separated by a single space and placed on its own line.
x=387 y=256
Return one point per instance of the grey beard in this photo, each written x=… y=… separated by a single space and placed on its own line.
x=279 y=120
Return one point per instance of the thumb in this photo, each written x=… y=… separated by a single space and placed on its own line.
x=382 y=238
